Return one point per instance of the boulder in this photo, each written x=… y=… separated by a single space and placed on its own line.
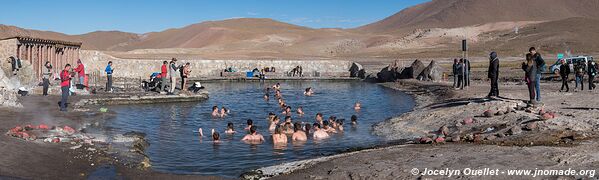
x=433 y=72
x=413 y=71
x=386 y=74
x=489 y=113
x=371 y=78
x=356 y=70
x=515 y=130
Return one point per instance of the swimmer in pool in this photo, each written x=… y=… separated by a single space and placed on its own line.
x=300 y=111
x=266 y=97
x=253 y=137
x=215 y=135
x=215 y=112
x=287 y=111
x=224 y=111
x=250 y=124
x=308 y=129
x=277 y=86
x=319 y=133
x=273 y=124
x=332 y=121
x=298 y=134
x=271 y=117
x=358 y=106
x=287 y=125
x=354 y=120
x=340 y=124
x=308 y=92
x=328 y=128
x=230 y=128
x=278 y=137
x=319 y=118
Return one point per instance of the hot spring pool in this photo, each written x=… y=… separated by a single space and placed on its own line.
x=176 y=148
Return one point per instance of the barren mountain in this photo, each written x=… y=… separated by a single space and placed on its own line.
x=459 y=13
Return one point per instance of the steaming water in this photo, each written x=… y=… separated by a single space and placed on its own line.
x=176 y=148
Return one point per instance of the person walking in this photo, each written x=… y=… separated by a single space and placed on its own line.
x=493 y=74
x=530 y=73
x=592 y=71
x=46 y=77
x=163 y=75
x=466 y=72
x=564 y=72
x=80 y=70
x=173 y=73
x=65 y=84
x=579 y=69
x=540 y=69
x=109 y=70
x=455 y=73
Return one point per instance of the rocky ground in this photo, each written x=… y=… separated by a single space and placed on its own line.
x=518 y=139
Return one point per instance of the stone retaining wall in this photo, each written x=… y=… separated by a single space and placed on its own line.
x=96 y=62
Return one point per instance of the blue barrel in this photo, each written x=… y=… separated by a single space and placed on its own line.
x=249 y=74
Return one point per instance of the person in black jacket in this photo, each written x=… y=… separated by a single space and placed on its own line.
x=564 y=71
x=460 y=70
x=455 y=73
x=530 y=75
x=494 y=74
x=466 y=72
x=591 y=72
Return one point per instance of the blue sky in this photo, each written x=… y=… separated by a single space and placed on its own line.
x=141 y=16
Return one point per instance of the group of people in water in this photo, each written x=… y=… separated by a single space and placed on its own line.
x=285 y=130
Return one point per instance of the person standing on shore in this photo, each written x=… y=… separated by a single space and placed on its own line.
x=466 y=72
x=455 y=73
x=173 y=71
x=46 y=78
x=579 y=70
x=540 y=69
x=460 y=71
x=494 y=74
x=80 y=69
x=564 y=71
x=591 y=72
x=185 y=71
x=163 y=75
x=65 y=84
x=109 y=71
x=530 y=70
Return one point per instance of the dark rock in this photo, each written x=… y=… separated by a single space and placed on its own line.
x=371 y=78
x=413 y=71
x=356 y=70
x=433 y=72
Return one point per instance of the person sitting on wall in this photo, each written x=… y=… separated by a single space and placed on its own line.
x=272 y=69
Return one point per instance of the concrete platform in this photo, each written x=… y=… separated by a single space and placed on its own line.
x=144 y=99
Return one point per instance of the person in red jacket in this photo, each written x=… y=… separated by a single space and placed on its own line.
x=163 y=75
x=80 y=69
x=65 y=84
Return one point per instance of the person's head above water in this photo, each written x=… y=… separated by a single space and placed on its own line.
x=297 y=126
x=278 y=130
x=339 y=121
x=250 y=122
x=325 y=123
x=215 y=136
x=316 y=126
x=253 y=130
x=354 y=118
x=288 y=118
x=230 y=126
x=318 y=115
x=214 y=108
